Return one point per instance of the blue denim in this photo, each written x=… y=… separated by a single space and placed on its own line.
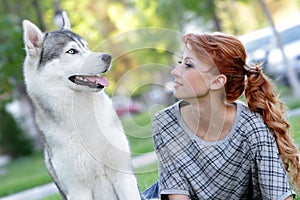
x=151 y=193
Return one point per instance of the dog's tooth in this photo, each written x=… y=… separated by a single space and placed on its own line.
x=78 y=77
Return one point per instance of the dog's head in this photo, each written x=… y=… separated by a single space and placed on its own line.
x=63 y=58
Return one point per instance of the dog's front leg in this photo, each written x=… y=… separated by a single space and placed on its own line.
x=51 y=171
x=81 y=194
x=126 y=186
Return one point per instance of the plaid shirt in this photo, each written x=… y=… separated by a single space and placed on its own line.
x=244 y=165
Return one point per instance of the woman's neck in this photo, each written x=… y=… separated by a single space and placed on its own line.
x=209 y=120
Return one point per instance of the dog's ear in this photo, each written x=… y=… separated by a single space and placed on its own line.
x=65 y=21
x=33 y=38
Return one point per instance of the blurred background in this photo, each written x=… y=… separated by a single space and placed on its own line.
x=143 y=37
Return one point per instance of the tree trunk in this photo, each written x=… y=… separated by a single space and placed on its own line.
x=292 y=77
x=5 y=6
x=39 y=15
x=215 y=18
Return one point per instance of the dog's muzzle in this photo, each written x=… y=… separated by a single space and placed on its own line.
x=97 y=81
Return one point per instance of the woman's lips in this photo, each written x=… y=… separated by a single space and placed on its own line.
x=177 y=83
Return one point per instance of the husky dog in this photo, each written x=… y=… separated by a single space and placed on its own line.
x=86 y=151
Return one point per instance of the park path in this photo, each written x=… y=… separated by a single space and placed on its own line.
x=43 y=191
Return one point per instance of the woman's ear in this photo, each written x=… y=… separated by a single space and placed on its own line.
x=218 y=82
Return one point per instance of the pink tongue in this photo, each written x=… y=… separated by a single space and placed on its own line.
x=102 y=81
x=99 y=80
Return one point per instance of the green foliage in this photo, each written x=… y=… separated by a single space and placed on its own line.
x=13 y=141
x=11 y=53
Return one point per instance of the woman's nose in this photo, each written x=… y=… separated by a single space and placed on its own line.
x=175 y=71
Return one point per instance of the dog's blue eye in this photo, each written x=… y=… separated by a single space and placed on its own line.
x=72 y=51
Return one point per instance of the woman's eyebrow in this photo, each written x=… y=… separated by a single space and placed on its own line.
x=188 y=58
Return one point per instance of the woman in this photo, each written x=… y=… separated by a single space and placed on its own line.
x=211 y=146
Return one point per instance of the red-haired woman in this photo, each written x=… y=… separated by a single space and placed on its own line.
x=210 y=145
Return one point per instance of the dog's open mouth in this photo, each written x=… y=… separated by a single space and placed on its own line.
x=97 y=81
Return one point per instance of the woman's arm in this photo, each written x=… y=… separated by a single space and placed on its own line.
x=289 y=198
x=180 y=197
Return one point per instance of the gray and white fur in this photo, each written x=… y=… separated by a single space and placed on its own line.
x=86 y=151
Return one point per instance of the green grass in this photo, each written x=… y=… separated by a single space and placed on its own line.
x=292 y=103
x=147 y=175
x=139 y=132
x=295 y=129
x=53 y=197
x=24 y=173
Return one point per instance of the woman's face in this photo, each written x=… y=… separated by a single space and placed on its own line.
x=192 y=78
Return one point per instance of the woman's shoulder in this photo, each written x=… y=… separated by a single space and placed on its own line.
x=165 y=114
x=167 y=130
x=248 y=118
x=167 y=117
x=252 y=126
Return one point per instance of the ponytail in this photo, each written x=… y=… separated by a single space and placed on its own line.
x=259 y=93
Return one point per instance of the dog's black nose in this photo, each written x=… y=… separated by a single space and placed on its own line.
x=106 y=58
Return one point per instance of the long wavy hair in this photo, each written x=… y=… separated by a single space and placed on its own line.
x=228 y=54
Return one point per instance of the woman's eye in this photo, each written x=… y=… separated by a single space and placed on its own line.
x=188 y=65
x=72 y=51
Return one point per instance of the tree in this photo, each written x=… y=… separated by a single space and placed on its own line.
x=292 y=77
x=143 y=36
x=12 y=55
